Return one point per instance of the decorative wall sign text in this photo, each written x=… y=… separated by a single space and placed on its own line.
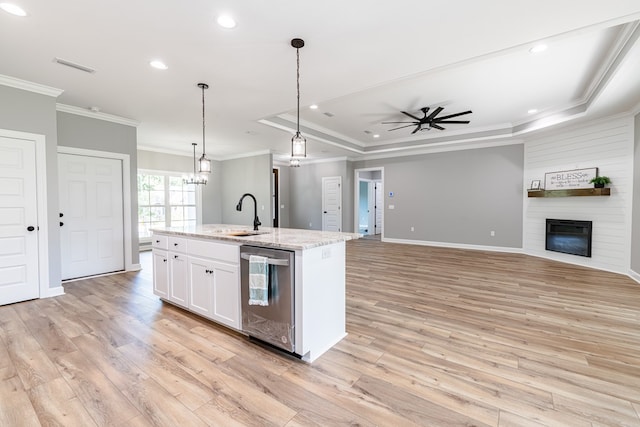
x=563 y=180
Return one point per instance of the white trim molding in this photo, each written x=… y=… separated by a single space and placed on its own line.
x=635 y=276
x=126 y=194
x=63 y=108
x=30 y=86
x=455 y=245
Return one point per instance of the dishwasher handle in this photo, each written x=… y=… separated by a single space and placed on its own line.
x=270 y=261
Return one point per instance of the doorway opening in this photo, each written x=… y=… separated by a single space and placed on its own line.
x=369 y=202
x=275 y=189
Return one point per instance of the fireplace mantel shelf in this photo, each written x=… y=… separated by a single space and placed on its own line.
x=570 y=193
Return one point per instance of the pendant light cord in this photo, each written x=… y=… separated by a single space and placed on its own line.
x=203 y=144
x=298 y=85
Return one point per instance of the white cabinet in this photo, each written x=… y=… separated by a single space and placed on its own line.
x=226 y=294
x=160 y=273
x=214 y=290
x=178 y=284
x=199 y=275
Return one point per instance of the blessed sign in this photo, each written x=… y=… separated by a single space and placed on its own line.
x=563 y=180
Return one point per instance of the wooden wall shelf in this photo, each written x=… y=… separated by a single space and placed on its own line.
x=570 y=193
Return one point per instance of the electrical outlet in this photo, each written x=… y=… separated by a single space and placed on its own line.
x=413 y=229
x=392 y=207
x=493 y=233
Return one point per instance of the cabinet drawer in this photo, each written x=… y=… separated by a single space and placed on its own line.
x=159 y=241
x=220 y=251
x=177 y=244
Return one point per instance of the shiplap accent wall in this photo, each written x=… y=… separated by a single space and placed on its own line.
x=607 y=145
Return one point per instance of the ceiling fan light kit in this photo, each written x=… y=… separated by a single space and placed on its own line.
x=298 y=142
x=428 y=122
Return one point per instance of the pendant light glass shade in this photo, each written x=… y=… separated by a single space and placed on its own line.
x=204 y=164
x=298 y=142
x=196 y=179
x=298 y=146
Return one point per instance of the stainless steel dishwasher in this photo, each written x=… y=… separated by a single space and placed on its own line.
x=274 y=323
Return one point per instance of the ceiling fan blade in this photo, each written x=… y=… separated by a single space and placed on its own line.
x=452 y=115
x=401 y=127
x=419 y=127
x=411 y=115
x=435 y=126
x=394 y=123
x=434 y=113
x=461 y=122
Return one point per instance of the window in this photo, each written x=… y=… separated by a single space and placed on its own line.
x=163 y=200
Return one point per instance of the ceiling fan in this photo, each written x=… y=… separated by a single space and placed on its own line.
x=430 y=121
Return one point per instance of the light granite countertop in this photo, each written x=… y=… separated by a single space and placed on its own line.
x=284 y=238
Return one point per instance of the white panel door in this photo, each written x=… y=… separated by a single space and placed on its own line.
x=379 y=205
x=92 y=230
x=332 y=203
x=18 y=221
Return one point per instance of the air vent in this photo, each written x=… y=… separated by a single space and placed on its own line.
x=74 y=65
x=328 y=114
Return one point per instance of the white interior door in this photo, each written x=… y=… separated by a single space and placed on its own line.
x=18 y=221
x=332 y=203
x=371 y=208
x=378 y=206
x=91 y=202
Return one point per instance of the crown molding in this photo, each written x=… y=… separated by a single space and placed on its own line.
x=30 y=86
x=71 y=109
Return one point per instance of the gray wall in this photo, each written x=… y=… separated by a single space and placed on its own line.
x=455 y=197
x=246 y=175
x=305 y=185
x=92 y=134
x=164 y=162
x=635 y=218
x=33 y=113
x=212 y=195
x=285 y=196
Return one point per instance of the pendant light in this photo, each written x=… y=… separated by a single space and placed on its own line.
x=195 y=178
x=204 y=164
x=298 y=142
x=294 y=163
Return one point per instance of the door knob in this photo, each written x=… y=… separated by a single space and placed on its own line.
x=61 y=223
x=325 y=211
x=30 y=228
x=61 y=214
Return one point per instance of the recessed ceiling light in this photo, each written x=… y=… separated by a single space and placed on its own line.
x=376 y=135
x=13 y=9
x=313 y=106
x=538 y=48
x=532 y=111
x=158 y=65
x=225 y=21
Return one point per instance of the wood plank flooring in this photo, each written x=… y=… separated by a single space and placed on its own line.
x=437 y=337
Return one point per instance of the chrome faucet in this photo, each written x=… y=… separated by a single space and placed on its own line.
x=256 y=220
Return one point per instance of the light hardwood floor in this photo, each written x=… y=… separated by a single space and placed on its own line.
x=437 y=337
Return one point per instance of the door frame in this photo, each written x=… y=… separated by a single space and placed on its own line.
x=126 y=195
x=356 y=196
x=42 y=210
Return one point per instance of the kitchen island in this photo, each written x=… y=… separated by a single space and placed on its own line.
x=199 y=268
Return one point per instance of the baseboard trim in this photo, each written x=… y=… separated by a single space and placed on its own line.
x=455 y=245
x=53 y=292
x=635 y=276
x=135 y=267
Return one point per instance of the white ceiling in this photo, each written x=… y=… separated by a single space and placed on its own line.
x=364 y=61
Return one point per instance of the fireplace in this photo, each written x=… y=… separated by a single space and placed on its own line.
x=569 y=236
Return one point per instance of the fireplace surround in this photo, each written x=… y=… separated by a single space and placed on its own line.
x=569 y=236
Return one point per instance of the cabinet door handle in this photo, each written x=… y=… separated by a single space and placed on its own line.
x=157 y=241
x=164 y=260
x=175 y=244
x=175 y=256
x=30 y=228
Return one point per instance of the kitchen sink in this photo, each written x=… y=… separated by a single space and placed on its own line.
x=245 y=233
